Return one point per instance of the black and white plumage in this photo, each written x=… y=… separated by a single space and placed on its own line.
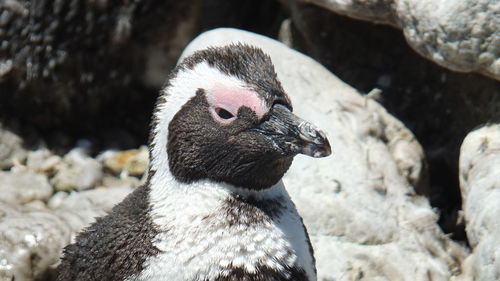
x=214 y=206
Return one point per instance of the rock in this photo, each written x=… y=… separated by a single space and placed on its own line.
x=31 y=240
x=11 y=148
x=57 y=199
x=134 y=162
x=23 y=187
x=367 y=221
x=461 y=35
x=36 y=205
x=109 y=181
x=480 y=187
x=32 y=235
x=77 y=171
x=42 y=161
x=95 y=200
x=367 y=55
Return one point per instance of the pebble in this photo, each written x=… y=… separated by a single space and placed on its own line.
x=77 y=171
x=125 y=181
x=42 y=160
x=134 y=162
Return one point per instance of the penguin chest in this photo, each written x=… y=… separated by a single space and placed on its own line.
x=231 y=240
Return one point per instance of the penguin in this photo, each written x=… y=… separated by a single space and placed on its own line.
x=214 y=207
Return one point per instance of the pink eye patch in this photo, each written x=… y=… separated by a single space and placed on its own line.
x=226 y=101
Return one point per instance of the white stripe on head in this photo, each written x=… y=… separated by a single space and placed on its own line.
x=180 y=90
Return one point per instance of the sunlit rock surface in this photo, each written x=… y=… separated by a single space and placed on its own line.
x=480 y=186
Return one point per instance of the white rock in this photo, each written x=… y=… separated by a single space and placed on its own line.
x=23 y=186
x=480 y=187
x=359 y=204
x=57 y=199
x=36 y=205
x=77 y=171
x=31 y=240
x=11 y=148
x=96 y=199
x=42 y=160
x=462 y=35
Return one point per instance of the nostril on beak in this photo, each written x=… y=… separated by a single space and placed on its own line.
x=311 y=133
x=317 y=144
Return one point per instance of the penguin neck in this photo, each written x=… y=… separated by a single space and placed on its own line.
x=163 y=186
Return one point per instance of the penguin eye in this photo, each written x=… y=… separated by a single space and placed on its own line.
x=281 y=102
x=224 y=114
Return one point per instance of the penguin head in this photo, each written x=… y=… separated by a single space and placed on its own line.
x=224 y=116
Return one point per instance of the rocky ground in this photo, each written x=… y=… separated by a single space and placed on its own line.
x=415 y=160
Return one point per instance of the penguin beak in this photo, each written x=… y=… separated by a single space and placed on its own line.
x=294 y=135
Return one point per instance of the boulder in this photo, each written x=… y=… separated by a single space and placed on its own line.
x=461 y=35
x=480 y=187
x=359 y=205
x=31 y=238
x=439 y=105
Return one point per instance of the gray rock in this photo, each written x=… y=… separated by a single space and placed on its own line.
x=23 y=187
x=359 y=205
x=11 y=148
x=31 y=240
x=77 y=171
x=480 y=186
x=461 y=35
